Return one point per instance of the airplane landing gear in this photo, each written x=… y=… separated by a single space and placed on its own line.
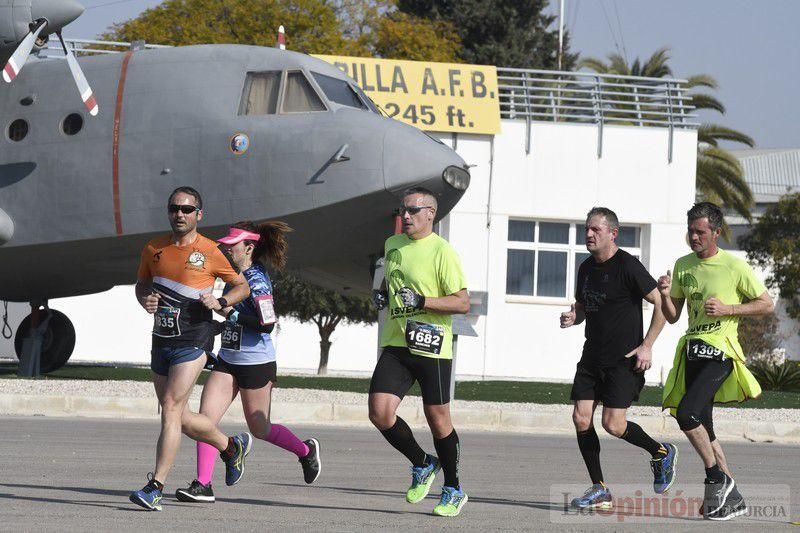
x=44 y=341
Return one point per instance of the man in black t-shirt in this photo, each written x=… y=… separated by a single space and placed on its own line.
x=610 y=287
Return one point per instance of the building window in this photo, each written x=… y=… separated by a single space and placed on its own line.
x=543 y=257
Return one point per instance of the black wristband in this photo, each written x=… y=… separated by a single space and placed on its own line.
x=421 y=302
x=223 y=302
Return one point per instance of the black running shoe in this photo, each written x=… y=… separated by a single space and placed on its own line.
x=196 y=493
x=716 y=494
x=730 y=510
x=311 y=463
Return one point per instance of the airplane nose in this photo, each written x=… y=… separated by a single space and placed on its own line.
x=6 y=227
x=411 y=157
x=58 y=13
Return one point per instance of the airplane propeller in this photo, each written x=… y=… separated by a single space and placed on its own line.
x=80 y=80
x=20 y=55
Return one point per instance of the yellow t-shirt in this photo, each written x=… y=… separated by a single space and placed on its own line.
x=430 y=267
x=730 y=280
x=724 y=277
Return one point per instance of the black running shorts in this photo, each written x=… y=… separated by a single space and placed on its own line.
x=397 y=369
x=615 y=387
x=249 y=376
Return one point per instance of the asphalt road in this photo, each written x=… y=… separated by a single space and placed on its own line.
x=76 y=474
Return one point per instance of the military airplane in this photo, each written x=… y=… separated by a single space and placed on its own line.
x=262 y=133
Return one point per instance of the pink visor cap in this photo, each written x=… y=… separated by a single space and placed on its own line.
x=236 y=235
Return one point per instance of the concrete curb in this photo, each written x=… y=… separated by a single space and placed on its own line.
x=487 y=419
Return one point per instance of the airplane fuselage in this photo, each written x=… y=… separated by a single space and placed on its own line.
x=83 y=205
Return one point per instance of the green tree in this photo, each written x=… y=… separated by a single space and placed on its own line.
x=325 y=308
x=352 y=27
x=773 y=244
x=312 y=24
x=506 y=33
x=720 y=177
x=758 y=335
x=375 y=28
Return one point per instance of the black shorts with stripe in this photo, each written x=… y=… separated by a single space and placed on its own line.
x=398 y=368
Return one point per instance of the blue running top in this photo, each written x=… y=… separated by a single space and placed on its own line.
x=256 y=347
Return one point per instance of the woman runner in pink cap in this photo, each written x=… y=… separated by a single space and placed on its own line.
x=246 y=363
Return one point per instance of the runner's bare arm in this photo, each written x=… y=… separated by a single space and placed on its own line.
x=657 y=321
x=573 y=317
x=239 y=290
x=671 y=307
x=763 y=305
x=145 y=295
x=644 y=352
x=453 y=304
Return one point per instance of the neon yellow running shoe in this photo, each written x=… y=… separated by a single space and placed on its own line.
x=422 y=479
x=452 y=501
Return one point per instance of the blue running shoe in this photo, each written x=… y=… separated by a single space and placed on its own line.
x=421 y=480
x=596 y=497
x=234 y=465
x=149 y=497
x=451 y=502
x=664 y=469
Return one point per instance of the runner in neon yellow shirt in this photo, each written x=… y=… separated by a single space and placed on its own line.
x=427 y=266
x=425 y=285
x=709 y=362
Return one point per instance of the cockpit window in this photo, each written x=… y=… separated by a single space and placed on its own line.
x=299 y=96
x=260 y=95
x=367 y=100
x=339 y=91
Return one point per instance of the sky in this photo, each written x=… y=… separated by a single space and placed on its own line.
x=751 y=48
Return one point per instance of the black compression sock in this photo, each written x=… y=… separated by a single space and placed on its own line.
x=400 y=436
x=637 y=436
x=589 y=445
x=449 y=452
x=715 y=474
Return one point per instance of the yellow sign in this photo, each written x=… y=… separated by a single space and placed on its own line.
x=430 y=96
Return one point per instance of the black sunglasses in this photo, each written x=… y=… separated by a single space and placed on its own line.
x=413 y=210
x=185 y=209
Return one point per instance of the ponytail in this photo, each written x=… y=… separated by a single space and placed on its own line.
x=272 y=247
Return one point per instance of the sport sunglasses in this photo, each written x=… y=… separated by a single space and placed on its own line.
x=413 y=210
x=185 y=209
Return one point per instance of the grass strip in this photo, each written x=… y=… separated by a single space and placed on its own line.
x=488 y=391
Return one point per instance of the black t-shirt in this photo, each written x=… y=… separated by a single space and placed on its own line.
x=611 y=294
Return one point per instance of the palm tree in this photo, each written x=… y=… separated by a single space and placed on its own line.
x=720 y=177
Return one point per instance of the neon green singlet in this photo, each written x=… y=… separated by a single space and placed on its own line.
x=724 y=277
x=430 y=267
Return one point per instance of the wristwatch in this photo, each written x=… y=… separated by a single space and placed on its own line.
x=222 y=302
x=233 y=317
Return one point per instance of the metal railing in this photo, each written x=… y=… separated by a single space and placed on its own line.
x=89 y=46
x=587 y=97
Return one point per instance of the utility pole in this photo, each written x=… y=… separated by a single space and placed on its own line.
x=561 y=32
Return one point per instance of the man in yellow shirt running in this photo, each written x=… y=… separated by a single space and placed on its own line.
x=425 y=286
x=709 y=362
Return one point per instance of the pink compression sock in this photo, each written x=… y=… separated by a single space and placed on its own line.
x=283 y=437
x=207 y=456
